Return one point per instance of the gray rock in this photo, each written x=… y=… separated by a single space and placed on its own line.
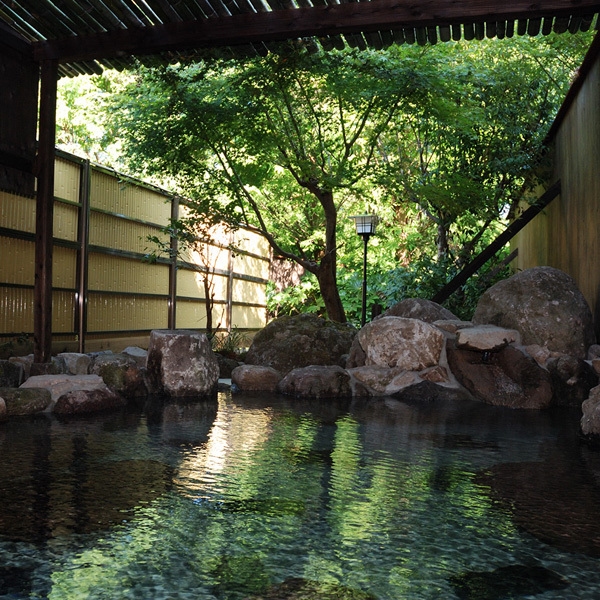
x=593 y=352
x=121 y=373
x=374 y=379
x=545 y=306
x=57 y=385
x=79 y=402
x=138 y=354
x=11 y=374
x=291 y=342
x=317 y=381
x=56 y=366
x=25 y=362
x=3 y=410
x=254 y=378
x=23 y=401
x=181 y=363
x=409 y=344
x=419 y=308
x=76 y=363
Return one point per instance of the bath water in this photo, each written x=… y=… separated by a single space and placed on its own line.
x=274 y=498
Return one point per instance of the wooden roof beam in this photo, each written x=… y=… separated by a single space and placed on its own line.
x=302 y=22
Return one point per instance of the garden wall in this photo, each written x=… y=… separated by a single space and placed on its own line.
x=104 y=294
x=566 y=235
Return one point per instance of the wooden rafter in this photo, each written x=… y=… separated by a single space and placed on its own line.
x=319 y=20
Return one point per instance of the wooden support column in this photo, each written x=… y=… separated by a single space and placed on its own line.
x=172 y=316
x=83 y=228
x=42 y=322
x=230 y=267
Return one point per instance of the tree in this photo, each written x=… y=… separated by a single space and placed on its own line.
x=281 y=142
x=472 y=148
x=197 y=237
x=451 y=136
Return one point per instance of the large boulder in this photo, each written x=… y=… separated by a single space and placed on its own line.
x=545 y=306
x=397 y=342
x=317 y=381
x=507 y=377
x=292 y=342
x=181 y=364
x=420 y=308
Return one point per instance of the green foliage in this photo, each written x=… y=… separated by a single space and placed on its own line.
x=422 y=278
x=297 y=299
x=425 y=277
x=231 y=343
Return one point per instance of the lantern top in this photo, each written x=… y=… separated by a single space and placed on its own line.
x=365 y=224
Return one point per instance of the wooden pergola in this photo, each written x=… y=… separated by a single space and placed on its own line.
x=57 y=38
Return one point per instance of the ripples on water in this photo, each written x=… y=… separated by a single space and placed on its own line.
x=278 y=499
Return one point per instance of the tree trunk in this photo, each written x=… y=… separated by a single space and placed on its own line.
x=208 y=304
x=327 y=270
x=441 y=238
x=326 y=276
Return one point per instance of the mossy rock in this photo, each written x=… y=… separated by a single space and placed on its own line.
x=299 y=341
x=25 y=401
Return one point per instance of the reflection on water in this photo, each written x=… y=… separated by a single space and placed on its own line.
x=275 y=498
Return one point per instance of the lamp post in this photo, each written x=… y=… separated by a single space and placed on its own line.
x=365 y=227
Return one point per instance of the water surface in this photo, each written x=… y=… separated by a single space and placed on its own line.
x=271 y=498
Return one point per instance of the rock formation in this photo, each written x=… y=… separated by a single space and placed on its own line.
x=525 y=348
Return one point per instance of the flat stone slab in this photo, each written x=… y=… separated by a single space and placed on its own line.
x=486 y=338
x=59 y=385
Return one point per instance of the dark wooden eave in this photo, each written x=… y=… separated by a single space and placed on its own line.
x=88 y=36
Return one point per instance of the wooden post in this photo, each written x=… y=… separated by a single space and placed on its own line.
x=83 y=227
x=172 y=302
x=229 y=299
x=42 y=322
